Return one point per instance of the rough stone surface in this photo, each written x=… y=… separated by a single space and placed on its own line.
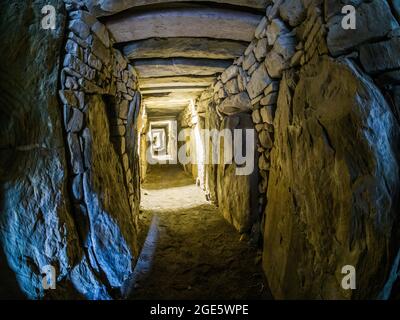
x=382 y=56
x=232 y=86
x=236 y=193
x=265 y=140
x=111 y=223
x=192 y=237
x=276 y=28
x=261 y=27
x=341 y=40
x=267 y=114
x=235 y=104
x=260 y=50
x=179 y=67
x=64 y=198
x=258 y=82
x=395 y=4
x=184 y=48
x=36 y=225
x=269 y=99
x=101 y=32
x=293 y=12
x=275 y=64
x=348 y=212
x=218 y=23
x=229 y=73
x=79 y=28
x=107 y=7
x=75 y=121
x=285 y=46
x=249 y=61
x=256 y=116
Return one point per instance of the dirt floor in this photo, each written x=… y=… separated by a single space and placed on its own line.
x=188 y=250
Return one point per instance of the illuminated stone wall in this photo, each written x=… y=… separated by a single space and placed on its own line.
x=70 y=193
x=324 y=102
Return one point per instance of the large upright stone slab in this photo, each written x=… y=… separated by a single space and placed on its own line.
x=151 y=68
x=331 y=198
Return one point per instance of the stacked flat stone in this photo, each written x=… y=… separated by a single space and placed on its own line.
x=324 y=51
x=93 y=67
x=251 y=84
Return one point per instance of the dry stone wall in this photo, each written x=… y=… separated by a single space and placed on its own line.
x=101 y=104
x=333 y=184
x=143 y=128
x=70 y=193
x=246 y=94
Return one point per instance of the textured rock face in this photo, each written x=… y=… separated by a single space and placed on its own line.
x=327 y=158
x=249 y=89
x=368 y=29
x=234 y=104
x=327 y=189
x=111 y=231
x=105 y=7
x=378 y=57
x=100 y=117
x=211 y=170
x=184 y=48
x=168 y=22
x=36 y=226
x=237 y=194
x=67 y=198
x=258 y=82
x=335 y=196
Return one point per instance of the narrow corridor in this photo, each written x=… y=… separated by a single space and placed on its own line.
x=281 y=119
x=189 y=250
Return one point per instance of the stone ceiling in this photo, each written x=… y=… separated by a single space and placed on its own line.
x=179 y=47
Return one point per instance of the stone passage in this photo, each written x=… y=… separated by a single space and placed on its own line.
x=82 y=104
x=193 y=252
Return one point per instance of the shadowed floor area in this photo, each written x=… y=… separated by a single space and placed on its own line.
x=189 y=250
